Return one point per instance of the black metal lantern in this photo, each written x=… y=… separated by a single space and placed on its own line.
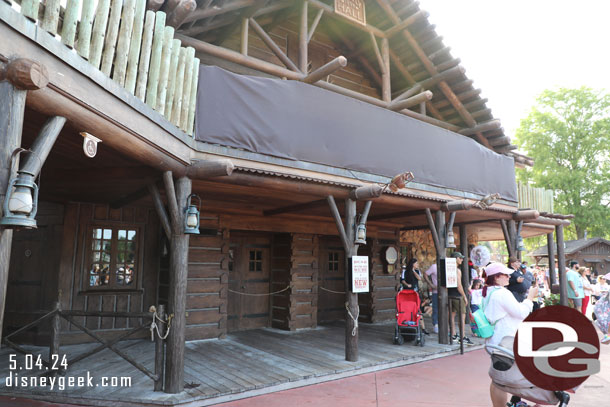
x=450 y=242
x=191 y=218
x=520 y=244
x=21 y=202
x=360 y=234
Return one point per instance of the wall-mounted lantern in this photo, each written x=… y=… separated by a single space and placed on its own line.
x=21 y=202
x=360 y=234
x=191 y=222
x=450 y=242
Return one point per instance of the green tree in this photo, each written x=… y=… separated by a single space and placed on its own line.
x=567 y=134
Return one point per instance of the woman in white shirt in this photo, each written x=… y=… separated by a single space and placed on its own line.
x=502 y=309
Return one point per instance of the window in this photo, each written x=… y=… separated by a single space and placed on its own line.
x=333 y=261
x=255 y=262
x=113 y=261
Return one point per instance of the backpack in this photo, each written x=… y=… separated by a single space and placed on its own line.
x=482 y=326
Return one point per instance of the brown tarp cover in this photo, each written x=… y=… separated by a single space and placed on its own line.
x=297 y=121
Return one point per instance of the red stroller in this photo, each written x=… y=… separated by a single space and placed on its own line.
x=407 y=318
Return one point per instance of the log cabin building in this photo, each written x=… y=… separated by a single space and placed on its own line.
x=289 y=125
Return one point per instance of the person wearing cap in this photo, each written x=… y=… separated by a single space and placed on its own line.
x=457 y=295
x=504 y=312
x=518 y=283
x=431 y=278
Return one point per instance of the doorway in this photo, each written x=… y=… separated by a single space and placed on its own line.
x=331 y=296
x=249 y=271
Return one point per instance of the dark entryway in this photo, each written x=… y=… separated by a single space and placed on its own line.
x=249 y=270
x=331 y=296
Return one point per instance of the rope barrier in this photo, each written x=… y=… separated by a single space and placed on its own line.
x=259 y=295
x=352 y=317
x=331 y=291
x=154 y=327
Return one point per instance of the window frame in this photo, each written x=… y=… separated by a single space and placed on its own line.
x=113 y=286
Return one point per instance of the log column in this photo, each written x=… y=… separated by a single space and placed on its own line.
x=179 y=246
x=16 y=78
x=561 y=266
x=550 y=247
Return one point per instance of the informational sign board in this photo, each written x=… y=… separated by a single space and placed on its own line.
x=352 y=9
x=360 y=274
x=451 y=276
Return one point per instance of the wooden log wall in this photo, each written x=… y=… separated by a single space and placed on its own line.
x=132 y=46
x=74 y=292
x=281 y=254
x=303 y=281
x=33 y=272
x=208 y=282
x=321 y=50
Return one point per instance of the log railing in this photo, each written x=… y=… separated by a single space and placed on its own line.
x=539 y=199
x=157 y=317
x=129 y=44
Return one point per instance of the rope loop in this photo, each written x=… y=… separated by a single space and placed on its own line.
x=259 y=295
x=352 y=317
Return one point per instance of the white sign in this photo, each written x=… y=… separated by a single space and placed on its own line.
x=360 y=274
x=451 y=277
x=90 y=144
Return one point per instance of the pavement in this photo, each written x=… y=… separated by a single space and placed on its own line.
x=459 y=380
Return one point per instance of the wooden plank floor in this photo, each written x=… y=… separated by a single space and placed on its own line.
x=244 y=364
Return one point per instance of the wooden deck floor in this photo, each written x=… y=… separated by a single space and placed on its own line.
x=242 y=365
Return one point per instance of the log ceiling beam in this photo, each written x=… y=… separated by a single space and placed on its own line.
x=296 y=208
x=314 y=25
x=405 y=23
x=432 y=70
x=245 y=13
x=401 y=214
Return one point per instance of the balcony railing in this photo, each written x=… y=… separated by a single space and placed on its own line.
x=535 y=198
x=129 y=44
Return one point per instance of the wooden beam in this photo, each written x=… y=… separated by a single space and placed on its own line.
x=156 y=196
x=457 y=205
x=389 y=33
x=432 y=70
x=326 y=70
x=482 y=127
x=295 y=208
x=433 y=80
x=12 y=111
x=244 y=36
x=178 y=271
x=177 y=17
x=432 y=227
x=507 y=237
x=201 y=14
x=561 y=267
x=303 y=28
x=550 y=250
x=273 y=46
x=366 y=192
x=25 y=74
x=202 y=169
x=386 y=82
x=314 y=25
x=410 y=102
x=394 y=215
x=172 y=203
x=340 y=228
x=380 y=60
x=351 y=298
x=42 y=146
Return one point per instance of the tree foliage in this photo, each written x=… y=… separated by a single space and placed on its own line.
x=567 y=133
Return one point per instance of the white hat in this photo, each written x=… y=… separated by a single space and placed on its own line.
x=496 y=268
x=607 y=276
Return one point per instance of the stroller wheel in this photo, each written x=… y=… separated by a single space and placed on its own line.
x=422 y=339
x=401 y=340
x=564 y=398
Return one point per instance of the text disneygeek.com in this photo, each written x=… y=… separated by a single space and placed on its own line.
x=26 y=372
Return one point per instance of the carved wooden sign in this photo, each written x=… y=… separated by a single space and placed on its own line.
x=352 y=9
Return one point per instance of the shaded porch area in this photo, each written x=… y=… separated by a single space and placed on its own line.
x=244 y=364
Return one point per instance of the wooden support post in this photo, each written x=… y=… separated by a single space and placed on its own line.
x=326 y=70
x=512 y=235
x=516 y=239
x=159 y=347
x=303 y=28
x=16 y=78
x=386 y=83
x=156 y=196
x=314 y=24
x=351 y=299
x=410 y=102
x=550 y=247
x=244 y=36
x=55 y=333
x=507 y=238
x=443 y=298
x=464 y=251
x=179 y=246
x=273 y=46
x=41 y=147
x=561 y=267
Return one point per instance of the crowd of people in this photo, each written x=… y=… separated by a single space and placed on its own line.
x=584 y=289
x=508 y=294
